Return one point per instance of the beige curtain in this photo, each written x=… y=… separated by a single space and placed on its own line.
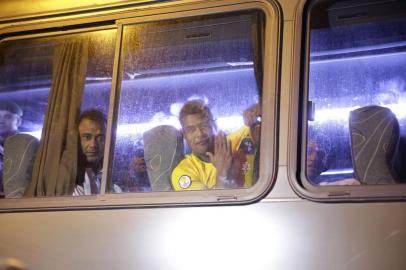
x=55 y=166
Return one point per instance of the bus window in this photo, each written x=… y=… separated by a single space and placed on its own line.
x=58 y=76
x=24 y=88
x=210 y=62
x=356 y=66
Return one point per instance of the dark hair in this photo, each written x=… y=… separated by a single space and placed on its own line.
x=196 y=106
x=11 y=107
x=94 y=115
x=139 y=152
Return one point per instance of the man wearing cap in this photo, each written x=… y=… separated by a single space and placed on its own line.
x=10 y=120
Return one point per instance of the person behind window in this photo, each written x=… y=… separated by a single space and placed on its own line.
x=317 y=161
x=245 y=146
x=137 y=179
x=213 y=163
x=10 y=120
x=92 y=128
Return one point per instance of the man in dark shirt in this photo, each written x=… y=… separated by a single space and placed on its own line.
x=92 y=130
x=92 y=127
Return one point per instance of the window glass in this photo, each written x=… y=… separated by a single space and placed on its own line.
x=356 y=121
x=28 y=72
x=202 y=61
x=25 y=77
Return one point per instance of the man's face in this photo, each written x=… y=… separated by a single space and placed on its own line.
x=138 y=164
x=92 y=140
x=198 y=132
x=9 y=122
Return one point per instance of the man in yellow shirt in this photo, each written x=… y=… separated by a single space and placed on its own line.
x=216 y=161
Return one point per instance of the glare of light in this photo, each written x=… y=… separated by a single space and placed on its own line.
x=98 y=78
x=343 y=114
x=398 y=109
x=238 y=64
x=227 y=124
x=226 y=238
x=197 y=97
x=36 y=134
x=230 y=123
x=133 y=75
x=338 y=172
x=175 y=108
x=140 y=128
x=340 y=114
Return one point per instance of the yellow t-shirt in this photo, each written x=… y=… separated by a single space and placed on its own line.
x=243 y=150
x=192 y=173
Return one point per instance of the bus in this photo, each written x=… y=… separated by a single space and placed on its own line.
x=323 y=179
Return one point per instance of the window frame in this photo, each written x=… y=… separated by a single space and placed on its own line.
x=269 y=130
x=298 y=179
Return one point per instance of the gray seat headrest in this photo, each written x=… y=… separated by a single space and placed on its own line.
x=163 y=150
x=19 y=155
x=374 y=133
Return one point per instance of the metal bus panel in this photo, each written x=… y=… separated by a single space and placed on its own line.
x=287 y=229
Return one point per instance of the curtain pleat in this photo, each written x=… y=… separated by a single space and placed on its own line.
x=55 y=166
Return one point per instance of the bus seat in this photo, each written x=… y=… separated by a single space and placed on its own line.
x=19 y=155
x=163 y=150
x=374 y=133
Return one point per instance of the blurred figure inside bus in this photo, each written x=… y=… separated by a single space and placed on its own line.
x=137 y=179
x=10 y=120
x=217 y=160
x=317 y=160
x=92 y=129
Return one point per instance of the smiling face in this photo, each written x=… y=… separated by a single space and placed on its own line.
x=198 y=132
x=92 y=137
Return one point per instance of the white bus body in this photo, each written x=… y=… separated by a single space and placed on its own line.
x=287 y=228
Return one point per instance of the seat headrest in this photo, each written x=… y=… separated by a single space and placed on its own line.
x=163 y=150
x=19 y=155
x=374 y=133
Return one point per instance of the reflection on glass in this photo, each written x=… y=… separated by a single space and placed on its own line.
x=167 y=64
x=353 y=65
x=27 y=74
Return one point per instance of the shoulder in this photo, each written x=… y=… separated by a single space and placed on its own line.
x=238 y=136
x=184 y=165
x=186 y=174
x=241 y=132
